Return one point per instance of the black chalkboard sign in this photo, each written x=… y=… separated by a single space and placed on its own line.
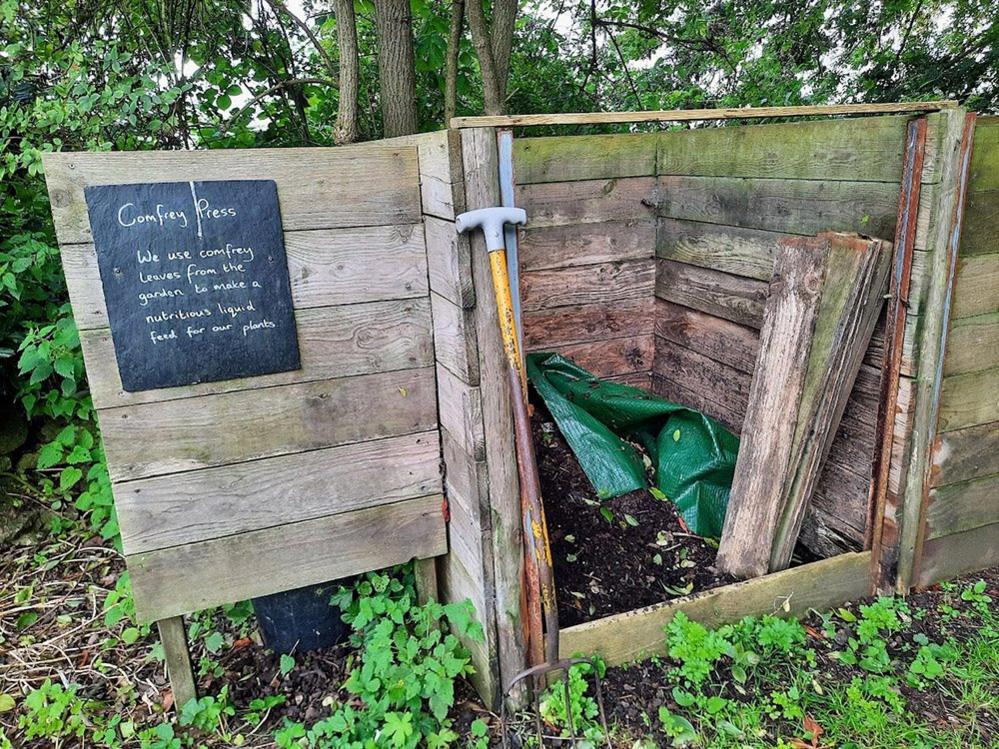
x=195 y=279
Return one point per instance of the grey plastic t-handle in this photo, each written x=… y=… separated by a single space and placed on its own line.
x=491 y=221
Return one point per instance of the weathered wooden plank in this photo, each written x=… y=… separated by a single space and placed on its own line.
x=588 y=284
x=152 y=439
x=587 y=202
x=678 y=390
x=711 y=380
x=969 y=399
x=455 y=344
x=585 y=244
x=730 y=249
x=425 y=580
x=550 y=329
x=613 y=356
x=868 y=149
x=972 y=344
x=978 y=237
x=467 y=539
x=739 y=300
x=173 y=510
x=963 y=506
x=969 y=453
x=333 y=342
x=318 y=188
x=715 y=337
x=787 y=206
x=975 y=286
x=623 y=638
x=579 y=157
x=257 y=563
x=326 y=267
x=449 y=261
x=173 y=638
x=949 y=556
x=465 y=479
x=984 y=174
x=460 y=406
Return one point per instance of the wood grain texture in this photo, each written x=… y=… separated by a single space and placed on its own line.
x=173 y=638
x=766 y=450
x=730 y=249
x=868 y=149
x=972 y=344
x=588 y=284
x=969 y=399
x=613 y=356
x=711 y=380
x=258 y=563
x=720 y=339
x=965 y=454
x=978 y=235
x=585 y=244
x=466 y=480
x=449 y=261
x=460 y=407
x=782 y=205
x=167 y=437
x=581 y=157
x=326 y=267
x=333 y=342
x=961 y=507
x=985 y=157
x=975 y=286
x=947 y=557
x=173 y=510
x=589 y=201
x=739 y=300
x=318 y=188
x=550 y=329
x=627 y=637
x=455 y=345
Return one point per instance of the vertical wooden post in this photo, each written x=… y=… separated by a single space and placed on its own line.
x=178 y=660
x=425 y=571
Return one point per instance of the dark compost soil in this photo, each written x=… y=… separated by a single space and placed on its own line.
x=614 y=555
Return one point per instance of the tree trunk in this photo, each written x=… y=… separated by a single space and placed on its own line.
x=346 y=130
x=501 y=41
x=396 y=67
x=492 y=94
x=451 y=72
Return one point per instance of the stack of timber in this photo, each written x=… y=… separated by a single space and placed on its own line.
x=825 y=297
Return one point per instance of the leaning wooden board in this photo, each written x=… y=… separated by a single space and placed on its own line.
x=326 y=469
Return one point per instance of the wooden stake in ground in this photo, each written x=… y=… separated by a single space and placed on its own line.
x=825 y=297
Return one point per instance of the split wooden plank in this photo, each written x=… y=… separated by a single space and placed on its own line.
x=947 y=557
x=449 y=261
x=624 y=638
x=454 y=339
x=585 y=244
x=255 y=564
x=326 y=267
x=589 y=284
x=460 y=408
x=333 y=342
x=589 y=201
x=824 y=303
x=183 y=508
x=581 y=157
x=318 y=188
x=969 y=453
x=803 y=207
x=551 y=329
x=868 y=149
x=153 y=439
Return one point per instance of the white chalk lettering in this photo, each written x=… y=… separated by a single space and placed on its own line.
x=205 y=210
x=159 y=337
x=262 y=325
x=164 y=293
x=233 y=310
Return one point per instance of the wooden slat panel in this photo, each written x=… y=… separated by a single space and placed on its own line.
x=450 y=265
x=722 y=340
x=791 y=206
x=984 y=173
x=741 y=252
x=949 y=556
x=965 y=454
x=711 y=380
x=587 y=202
x=461 y=412
x=972 y=344
x=326 y=267
x=588 y=284
x=550 y=329
x=579 y=157
x=613 y=356
x=969 y=399
x=686 y=394
x=160 y=438
x=318 y=188
x=465 y=480
x=978 y=236
x=975 y=286
x=961 y=507
x=172 y=510
x=623 y=638
x=849 y=150
x=454 y=339
x=585 y=244
x=333 y=342
x=739 y=300
x=259 y=563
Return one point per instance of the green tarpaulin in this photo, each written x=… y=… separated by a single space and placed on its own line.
x=693 y=455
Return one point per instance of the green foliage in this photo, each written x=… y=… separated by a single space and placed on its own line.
x=54 y=712
x=695 y=647
x=584 y=709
